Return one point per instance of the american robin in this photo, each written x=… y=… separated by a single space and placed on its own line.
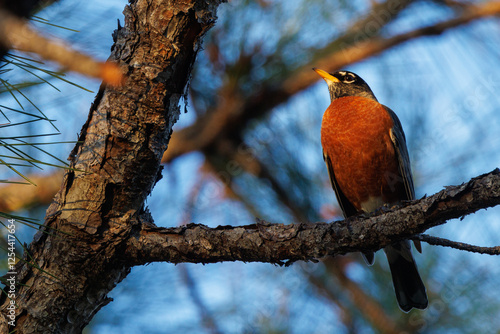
x=364 y=148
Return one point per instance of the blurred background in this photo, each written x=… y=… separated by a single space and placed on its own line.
x=248 y=145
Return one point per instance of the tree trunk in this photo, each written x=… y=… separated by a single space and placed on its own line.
x=101 y=203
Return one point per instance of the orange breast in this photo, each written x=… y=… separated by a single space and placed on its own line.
x=355 y=134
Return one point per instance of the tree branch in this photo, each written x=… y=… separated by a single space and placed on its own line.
x=284 y=244
x=21 y=9
x=16 y=33
x=457 y=245
x=15 y=197
x=374 y=46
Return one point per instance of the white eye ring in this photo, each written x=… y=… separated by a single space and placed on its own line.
x=349 y=78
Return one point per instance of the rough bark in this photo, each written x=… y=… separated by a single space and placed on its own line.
x=277 y=243
x=101 y=203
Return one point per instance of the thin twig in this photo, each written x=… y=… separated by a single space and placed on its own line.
x=436 y=241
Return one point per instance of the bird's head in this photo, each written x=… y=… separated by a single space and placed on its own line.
x=345 y=83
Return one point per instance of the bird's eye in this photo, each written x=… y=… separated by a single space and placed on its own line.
x=349 y=78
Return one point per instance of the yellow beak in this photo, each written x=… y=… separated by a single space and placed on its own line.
x=325 y=75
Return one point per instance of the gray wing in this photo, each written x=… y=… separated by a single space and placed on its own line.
x=399 y=141
x=346 y=206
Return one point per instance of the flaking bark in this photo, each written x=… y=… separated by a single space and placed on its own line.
x=117 y=164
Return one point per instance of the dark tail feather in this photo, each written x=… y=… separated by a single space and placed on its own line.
x=369 y=257
x=410 y=290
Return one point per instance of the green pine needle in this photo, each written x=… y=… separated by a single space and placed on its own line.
x=45 y=21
